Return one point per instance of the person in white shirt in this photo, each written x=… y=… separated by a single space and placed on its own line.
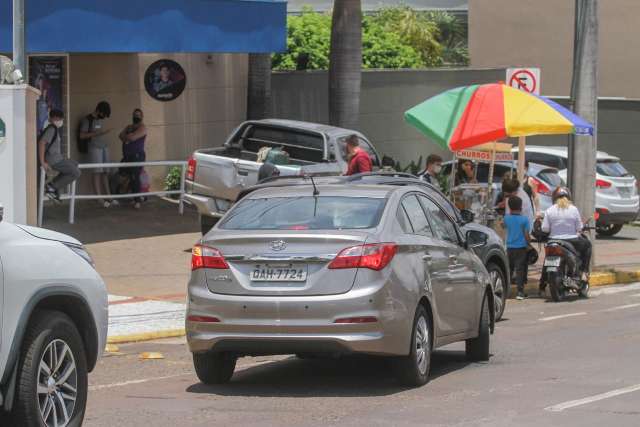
x=562 y=221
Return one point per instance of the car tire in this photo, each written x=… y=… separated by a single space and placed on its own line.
x=207 y=223
x=214 y=368
x=50 y=337
x=608 y=230
x=477 y=349
x=413 y=370
x=500 y=288
x=555 y=287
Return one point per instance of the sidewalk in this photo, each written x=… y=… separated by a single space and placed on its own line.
x=144 y=259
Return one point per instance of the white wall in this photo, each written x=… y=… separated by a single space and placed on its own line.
x=18 y=154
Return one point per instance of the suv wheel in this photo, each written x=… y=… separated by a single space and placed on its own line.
x=500 y=289
x=51 y=387
x=413 y=370
x=214 y=368
x=608 y=230
x=477 y=349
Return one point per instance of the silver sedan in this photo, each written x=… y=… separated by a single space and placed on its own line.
x=336 y=269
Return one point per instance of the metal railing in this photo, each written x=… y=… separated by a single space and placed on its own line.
x=72 y=196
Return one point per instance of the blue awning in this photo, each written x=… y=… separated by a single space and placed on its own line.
x=149 y=25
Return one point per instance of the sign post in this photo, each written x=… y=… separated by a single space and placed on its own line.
x=526 y=79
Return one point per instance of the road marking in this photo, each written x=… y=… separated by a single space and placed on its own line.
x=573 y=403
x=622 y=307
x=146 y=380
x=615 y=289
x=562 y=316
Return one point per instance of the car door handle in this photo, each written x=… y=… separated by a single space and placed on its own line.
x=427 y=258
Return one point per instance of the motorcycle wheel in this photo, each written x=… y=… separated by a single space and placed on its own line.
x=555 y=286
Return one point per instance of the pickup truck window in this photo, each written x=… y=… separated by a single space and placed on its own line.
x=305 y=146
x=342 y=144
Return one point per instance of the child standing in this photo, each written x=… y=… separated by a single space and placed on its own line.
x=518 y=239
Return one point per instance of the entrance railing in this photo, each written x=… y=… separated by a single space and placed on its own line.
x=72 y=196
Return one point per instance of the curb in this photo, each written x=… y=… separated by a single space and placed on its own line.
x=147 y=336
x=602 y=278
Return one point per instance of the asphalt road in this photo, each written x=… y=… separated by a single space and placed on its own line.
x=546 y=357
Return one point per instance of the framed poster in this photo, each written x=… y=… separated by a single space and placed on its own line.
x=49 y=74
x=165 y=80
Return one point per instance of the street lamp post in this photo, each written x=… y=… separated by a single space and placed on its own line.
x=18 y=36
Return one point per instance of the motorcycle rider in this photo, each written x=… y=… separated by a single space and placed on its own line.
x=562 y=221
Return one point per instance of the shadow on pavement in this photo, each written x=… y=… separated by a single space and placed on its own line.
x=353 y=376
x=94 y=223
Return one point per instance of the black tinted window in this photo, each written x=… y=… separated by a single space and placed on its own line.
x=442 y=225
x=305 y=213
x=403 y=220
x=611 y=168
x=550 y=176
x=416 y=216
x=300 y=145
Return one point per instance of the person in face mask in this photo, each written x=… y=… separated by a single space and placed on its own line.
x=432 y=170
x=50 y=156
x=133 y=138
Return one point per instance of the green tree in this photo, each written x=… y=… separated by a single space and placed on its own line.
x=308 y=38
x=384 y=49
x=452 y=36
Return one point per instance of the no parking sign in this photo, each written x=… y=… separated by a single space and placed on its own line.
x=526 y=79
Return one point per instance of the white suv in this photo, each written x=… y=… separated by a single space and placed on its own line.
x=53 y=326
x=617 y=200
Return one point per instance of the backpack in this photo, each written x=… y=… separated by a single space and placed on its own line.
x=55 y=136
x=83 y=143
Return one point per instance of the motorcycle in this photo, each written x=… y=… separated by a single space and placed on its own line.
x=563 y=270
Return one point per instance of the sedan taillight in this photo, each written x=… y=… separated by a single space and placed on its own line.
x=203 y=256
x=191 y=169
x=372 y=256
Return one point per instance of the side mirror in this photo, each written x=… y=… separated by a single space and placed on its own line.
x=467 y=216
x=476 y=239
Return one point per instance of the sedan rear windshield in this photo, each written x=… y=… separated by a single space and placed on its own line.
x=305 y=213
x=611 y=168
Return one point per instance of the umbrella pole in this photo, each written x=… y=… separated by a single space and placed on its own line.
x=521 y=145
x=452 y=178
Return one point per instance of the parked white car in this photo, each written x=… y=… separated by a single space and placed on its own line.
x=617 y=200
x=53 y=326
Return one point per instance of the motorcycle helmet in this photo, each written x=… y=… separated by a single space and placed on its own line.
x=561 y=192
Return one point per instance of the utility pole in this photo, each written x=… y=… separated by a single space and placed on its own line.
x=584 y=95
x=19 y=54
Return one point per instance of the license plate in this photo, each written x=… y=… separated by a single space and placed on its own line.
x=266 y=273
x=552 y=262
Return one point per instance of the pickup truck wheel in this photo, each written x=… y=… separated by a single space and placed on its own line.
x=51 y=388
x=207 y=223
x=413 y=370
x=214 y=368
x=477 y=349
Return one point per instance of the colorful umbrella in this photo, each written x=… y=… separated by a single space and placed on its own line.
x=472 y=115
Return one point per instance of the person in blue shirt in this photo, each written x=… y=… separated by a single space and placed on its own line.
x=518 y=239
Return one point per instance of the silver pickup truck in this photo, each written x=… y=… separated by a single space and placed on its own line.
x=215 y=176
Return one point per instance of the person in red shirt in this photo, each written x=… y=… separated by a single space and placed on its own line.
x=359 y=160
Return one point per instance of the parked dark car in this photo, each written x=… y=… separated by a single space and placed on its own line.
x=493 y=254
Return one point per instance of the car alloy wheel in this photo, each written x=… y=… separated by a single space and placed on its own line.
x=422 y=345
x=57 y=384
x=498 y=284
